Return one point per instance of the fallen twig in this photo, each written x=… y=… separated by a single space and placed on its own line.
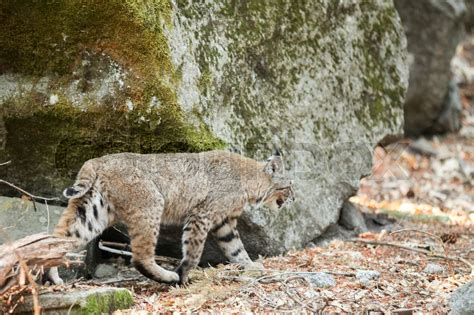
x=438 y=238
x=33 y=197
x=335 y=273
x=418 y=250
x=159 y=259
x=5 y=163
x=269 y=278
x=297 y=300
x=27 y=193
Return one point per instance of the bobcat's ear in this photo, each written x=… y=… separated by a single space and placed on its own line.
x=274 y=165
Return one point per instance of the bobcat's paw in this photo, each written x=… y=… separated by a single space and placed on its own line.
x=169 y=276
x=54 y=277
x=183 y=274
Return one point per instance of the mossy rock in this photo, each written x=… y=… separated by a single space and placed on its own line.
x=322 y=81
x=83 y=79
x=93 y=301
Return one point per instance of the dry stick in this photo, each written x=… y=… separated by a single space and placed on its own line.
x=423 y=232
x=5 y=163
x=335 y=273
x=33 y=197
x=421 y=251
x=115 y=244
x=438 y=238
x=269 y=279
x=27 y=193
x=26 y=270
x=47 y=212
x=297 y=300
x=162 y=259
x=34 y=287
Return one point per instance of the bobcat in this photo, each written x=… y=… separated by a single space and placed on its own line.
x=205 y=191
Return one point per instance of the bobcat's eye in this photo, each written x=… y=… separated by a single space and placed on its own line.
x=280 y=202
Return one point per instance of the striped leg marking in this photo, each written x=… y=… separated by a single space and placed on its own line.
x=194 y=236
x=229 y=242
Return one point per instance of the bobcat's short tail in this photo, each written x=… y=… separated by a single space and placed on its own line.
x=85 y=180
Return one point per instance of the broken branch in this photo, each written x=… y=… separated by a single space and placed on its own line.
x=27 y=193
x=36 y=252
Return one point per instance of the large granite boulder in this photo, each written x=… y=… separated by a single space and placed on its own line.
x=324 y=82
x=433 y=28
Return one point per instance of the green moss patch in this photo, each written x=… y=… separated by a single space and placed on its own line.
x=46 y=36
x=48 y=143
x=56 y=140
x=107 y=302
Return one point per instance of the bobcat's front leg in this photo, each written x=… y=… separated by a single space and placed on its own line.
x=195 y=233
x=228 y=239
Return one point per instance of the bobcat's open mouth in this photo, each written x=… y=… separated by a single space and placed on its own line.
x=280 y=202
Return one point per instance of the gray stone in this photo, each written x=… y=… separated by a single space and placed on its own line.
x=462 y=300
x=356 y=255
x=423 y=147
x=433 y=269
x=105 y=270
x=92 y=301
x=366 y=276
x=324 y=82
x=449 y=120
x=434 y=29
x=18 y=218
x=321 y=279
x=351 y=218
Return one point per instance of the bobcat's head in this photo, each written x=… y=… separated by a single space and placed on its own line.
x=280 y=193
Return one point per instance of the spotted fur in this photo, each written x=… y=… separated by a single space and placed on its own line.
x=206 y=192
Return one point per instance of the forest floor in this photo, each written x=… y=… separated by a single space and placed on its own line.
x=410 y=266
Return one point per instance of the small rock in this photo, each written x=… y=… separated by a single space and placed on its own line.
x=433 y=269
x=356 y=255
x=321 y=279
x=462 y=300
x=423 y=147
x=105 y=270
x=351 y=218
x=365 y=276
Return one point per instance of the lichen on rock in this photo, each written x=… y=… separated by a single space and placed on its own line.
x=323 y=82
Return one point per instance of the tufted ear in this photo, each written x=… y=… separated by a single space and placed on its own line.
x=274 y=164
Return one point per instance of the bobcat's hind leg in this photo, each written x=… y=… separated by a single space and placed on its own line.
x=84 y=219
x=143 y=225
x=195 y=232
x=228 y=239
